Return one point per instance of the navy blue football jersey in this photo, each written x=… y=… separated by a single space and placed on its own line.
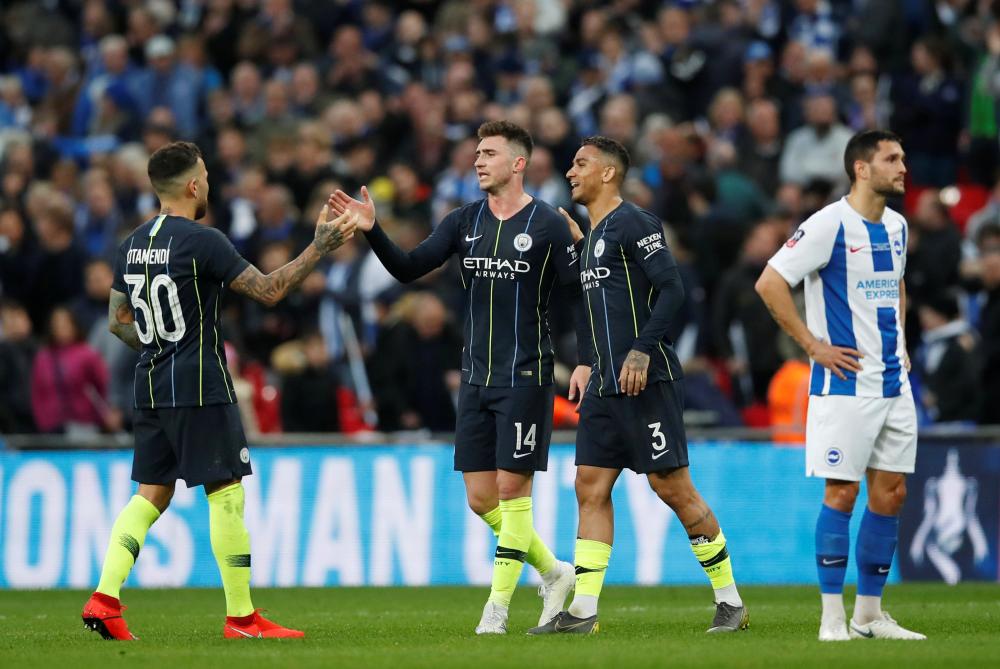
x=174 y=272
x=625 y=264
x=508 y=270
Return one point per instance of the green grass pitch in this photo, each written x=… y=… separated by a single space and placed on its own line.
x=432 y=627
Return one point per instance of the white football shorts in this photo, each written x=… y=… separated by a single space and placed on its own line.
x=847 y=435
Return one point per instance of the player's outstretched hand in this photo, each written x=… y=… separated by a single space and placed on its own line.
x=837 y=359
x=574 y=228
x=341 y=202
x=331 y=234
x=632 y=379
x=578 y=384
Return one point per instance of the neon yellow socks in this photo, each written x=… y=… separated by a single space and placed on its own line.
x=231 y=546
x=714 y=559
x=538 y=556
x=515 y=536
x=127 y=537
x=591 y=564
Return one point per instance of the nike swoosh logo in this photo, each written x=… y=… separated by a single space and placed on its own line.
x=246 y=634
x=472 y=239
x=523 y=455
x=868 y=635
x=855 y=249
x=652 y=252
x=830 y=563
x=659 y=454
x=561 y=628
x=883 y=570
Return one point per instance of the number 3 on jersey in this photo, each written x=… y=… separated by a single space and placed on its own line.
x=529 y=438
x=151 y=309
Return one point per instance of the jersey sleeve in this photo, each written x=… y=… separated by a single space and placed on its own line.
x=218 y=256
x=118 y=281
x=429 y=254
x=806 y=251
x=644 y=244
x=565 y=255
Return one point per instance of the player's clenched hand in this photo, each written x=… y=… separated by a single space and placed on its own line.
x=341 y=202
x=331 y=234
x=632 y=380
x=574 y=228
x=578 y=383
x=836 y=358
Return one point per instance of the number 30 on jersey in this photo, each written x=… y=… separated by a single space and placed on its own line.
x=148 y=301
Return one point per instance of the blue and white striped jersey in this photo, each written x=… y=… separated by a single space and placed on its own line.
x=853 y=269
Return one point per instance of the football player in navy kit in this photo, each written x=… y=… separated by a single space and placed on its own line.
x=513 y=249
x=632 y=413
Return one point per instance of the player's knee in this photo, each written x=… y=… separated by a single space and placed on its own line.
x=591 y=495
x=481 y=504
x=676 y=497
x=841 y=497
x=160 y=498
x=893 y=497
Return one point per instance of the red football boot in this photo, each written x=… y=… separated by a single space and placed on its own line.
x=256 y=626
x=103 y=614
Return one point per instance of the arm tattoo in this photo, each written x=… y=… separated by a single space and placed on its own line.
x=272 y=288
x=328 y=237
x=121 y=321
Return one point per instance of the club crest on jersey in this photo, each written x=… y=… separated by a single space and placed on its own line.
x=833 y=457
x=599 y=248
x=799 y=234
x=523 y=242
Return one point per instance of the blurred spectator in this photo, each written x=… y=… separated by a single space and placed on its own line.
x=947 y=361
x=19 y=256
x=988 y=215
x=91 y=308
x=816 y=150
x=17 y=351
x=542 y=180
x=414 y=372
x=69 y=381
x=458 y=184
x=927 y=113
x=759 y=150
x=309 y=386
x=58 y=274
x=169 y=83
x=98 y=220
x=734 y=190
x=934 y=251
x=788 y=393
x=743 y=334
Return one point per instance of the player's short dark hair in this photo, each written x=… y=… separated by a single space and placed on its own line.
x=613 y=149
x=513 y=133
x=169 y=162
x=863 y=146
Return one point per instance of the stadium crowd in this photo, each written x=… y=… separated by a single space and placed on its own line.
x=736 y=113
